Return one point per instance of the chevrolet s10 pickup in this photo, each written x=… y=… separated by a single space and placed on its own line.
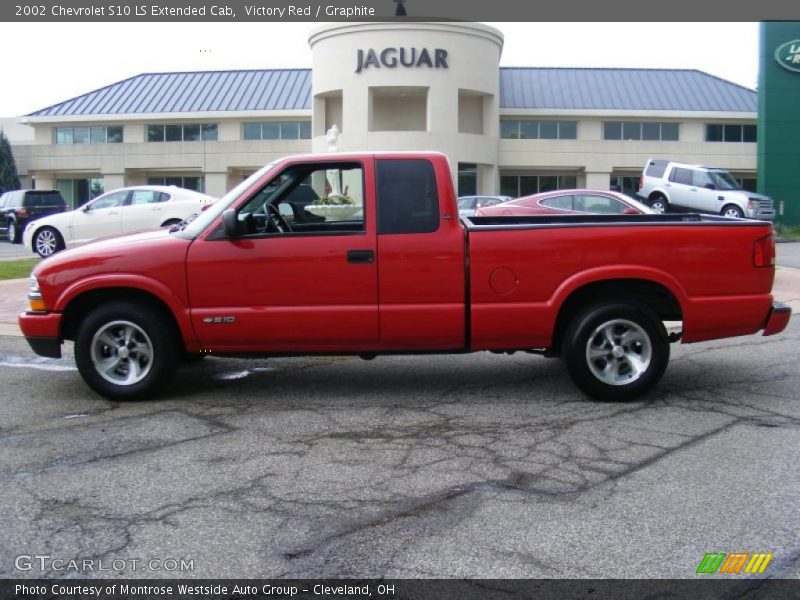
x=364 y=254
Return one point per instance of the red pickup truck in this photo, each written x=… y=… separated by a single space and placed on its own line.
x=364 y=254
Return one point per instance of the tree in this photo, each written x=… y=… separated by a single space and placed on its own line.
x=8 y=169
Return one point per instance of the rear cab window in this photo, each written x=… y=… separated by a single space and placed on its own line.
x=408 y=201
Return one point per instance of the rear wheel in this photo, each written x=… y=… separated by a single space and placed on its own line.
x=47 y=242
x=126 y=351
x=13 y=232
x=616 y=351
x=659 y=203
x=733 y=211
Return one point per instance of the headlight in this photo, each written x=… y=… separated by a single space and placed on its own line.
x=35 y=295
x=752 y=204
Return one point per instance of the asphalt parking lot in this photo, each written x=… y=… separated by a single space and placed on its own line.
x=466 y=466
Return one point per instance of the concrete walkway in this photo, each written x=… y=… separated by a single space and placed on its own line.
x=13 y=297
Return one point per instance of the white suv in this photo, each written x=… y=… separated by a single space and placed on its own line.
x=666 y=185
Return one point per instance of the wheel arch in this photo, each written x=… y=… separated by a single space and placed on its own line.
x=658 y=192
x=76 y=303
x=663 y=297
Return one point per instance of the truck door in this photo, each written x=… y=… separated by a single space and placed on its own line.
x=303 y=276
x=421 y=248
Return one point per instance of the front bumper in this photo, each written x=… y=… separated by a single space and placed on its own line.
x=41 y=330
x=777 y=319
x=761 y=214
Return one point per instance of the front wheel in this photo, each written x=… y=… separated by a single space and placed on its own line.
x=126 y=351
x=732 y=211
x=47 y=242
x=616 y=351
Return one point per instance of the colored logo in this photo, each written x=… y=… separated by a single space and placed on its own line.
x=734 y=563
x=788 y=55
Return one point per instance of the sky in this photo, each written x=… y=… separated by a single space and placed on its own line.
x=75 y=58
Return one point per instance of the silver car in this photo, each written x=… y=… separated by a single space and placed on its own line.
x=669 y=185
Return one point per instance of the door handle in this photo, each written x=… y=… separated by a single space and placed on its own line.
x=360 y=256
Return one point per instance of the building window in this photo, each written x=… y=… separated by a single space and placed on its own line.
x=98 y=134
x=467 y=179
x=640 y=130
x=747 y=183
x=185 y=132
x=517 y=186
x=526 y=129
x=730 y=132
x=277 y=130
x=77 y=192
x=198 y=184
x=625 y=184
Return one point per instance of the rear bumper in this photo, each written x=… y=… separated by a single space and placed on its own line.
x=41 y=330
x=777 y=319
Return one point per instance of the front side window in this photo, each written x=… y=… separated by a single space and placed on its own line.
x=599 y=204
x=110 y=201
x=308 y=199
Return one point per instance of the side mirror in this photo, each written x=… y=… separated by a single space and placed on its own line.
x=86 y=207
x=710 y=186
x=230 y=223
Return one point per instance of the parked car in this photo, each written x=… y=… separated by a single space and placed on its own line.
x=401 y=274
x=119 y=211
x=666 y=185
x=467 y=205
x=568 y=201
x=21 y=207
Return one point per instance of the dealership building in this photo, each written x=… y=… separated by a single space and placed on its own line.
x=394 y=86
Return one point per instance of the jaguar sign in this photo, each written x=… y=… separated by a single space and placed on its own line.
x=392 y=58
x=788 y=55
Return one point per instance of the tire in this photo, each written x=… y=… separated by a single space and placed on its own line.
x=731 y=210
x=134 y=371
x=595 y=340
x=13 y=233
x=658 y=203
x=47 y=241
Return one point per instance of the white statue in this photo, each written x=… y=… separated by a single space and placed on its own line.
x=332 y=136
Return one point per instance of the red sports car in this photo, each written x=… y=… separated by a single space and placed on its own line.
x=567 y=201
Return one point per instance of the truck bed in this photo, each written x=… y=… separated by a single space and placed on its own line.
x=523 y=268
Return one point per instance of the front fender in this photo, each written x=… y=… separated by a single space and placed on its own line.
x=141 y=283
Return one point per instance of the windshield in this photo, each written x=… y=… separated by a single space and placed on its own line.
x=723 y=180
x=205 y=218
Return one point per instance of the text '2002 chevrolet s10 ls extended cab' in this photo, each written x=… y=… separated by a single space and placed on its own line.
x=365 y=254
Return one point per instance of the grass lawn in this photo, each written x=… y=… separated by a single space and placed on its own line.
x=17 y=269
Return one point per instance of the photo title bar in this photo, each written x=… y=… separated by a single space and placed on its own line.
x=384 y=10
